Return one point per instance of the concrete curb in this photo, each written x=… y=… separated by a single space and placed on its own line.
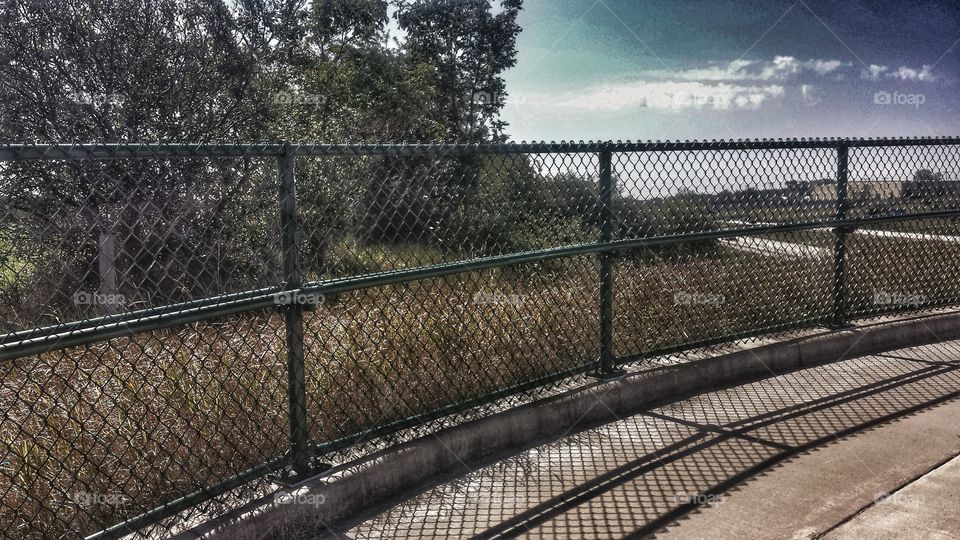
x=417 y=462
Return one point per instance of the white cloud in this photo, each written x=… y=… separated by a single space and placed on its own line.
x=788 y=69
x=873 y=72
x=810 y=95
x=904 y=73
x=669 y=96
x=736 y=85
x=925 y=74
x=733 y=71
x=781 y=68
x=824 y=67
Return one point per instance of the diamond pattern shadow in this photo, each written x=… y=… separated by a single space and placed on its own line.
x=637 y=475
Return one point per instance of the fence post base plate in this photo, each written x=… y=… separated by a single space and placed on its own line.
x=289 y=477
x=606 y=375
x=839 y=326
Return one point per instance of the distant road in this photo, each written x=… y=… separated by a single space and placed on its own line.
x=911 y=236
x=871 y=232
x=775 y=248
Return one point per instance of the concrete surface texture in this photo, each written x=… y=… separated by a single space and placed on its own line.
x=862 y=448
x=926 y=508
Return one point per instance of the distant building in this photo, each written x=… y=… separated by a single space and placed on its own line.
x=930 y=185
x=823 y=190
x=826 y=190
x=874 y=189
x=923 y=184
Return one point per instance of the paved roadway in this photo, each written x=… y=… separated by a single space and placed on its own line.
x=776 y=248
x=871 y=232
x=793 y=250
x=928 y=507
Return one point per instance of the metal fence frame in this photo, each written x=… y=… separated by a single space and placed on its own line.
x=293 y=297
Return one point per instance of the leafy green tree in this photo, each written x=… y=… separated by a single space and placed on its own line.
x=113 y=71
x=468 y=46
x=414 y=92
x=211 y=70
x=124 y=70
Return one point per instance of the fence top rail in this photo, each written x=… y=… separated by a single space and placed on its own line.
x=64 y=152
x=607 y=146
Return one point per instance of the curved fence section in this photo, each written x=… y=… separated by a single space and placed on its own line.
x=183 y=325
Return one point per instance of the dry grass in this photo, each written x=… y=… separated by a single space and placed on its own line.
x=884 y=273
x=143 y=418
x=689 y=298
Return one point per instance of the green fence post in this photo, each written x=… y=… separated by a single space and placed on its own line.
x=838 y=319
x=293 y=319
x=605 y=362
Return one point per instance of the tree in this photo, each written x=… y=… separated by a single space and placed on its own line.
x=118 y=71
x=926 y=175
x=468 y=47
x=421 y=90
x=126 y=70
x=925 y=183
x=212 y=70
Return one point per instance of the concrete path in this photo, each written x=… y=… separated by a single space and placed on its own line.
x=794 y=250
x=926 y=508
x=801 y=455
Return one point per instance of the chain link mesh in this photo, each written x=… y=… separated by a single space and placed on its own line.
x=98 y=434
x=146 y=358
x=680 y=295
x=90 y=238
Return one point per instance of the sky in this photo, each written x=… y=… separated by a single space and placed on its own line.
x=734 y=69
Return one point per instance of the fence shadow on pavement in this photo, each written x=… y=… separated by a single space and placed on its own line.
x=640 y=475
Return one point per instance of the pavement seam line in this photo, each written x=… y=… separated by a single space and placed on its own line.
x=918 y=360
x=873 y=503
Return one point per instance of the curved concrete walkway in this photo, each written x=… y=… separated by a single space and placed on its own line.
x=837 y=450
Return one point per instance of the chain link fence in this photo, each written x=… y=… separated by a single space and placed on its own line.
x=185 y=325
